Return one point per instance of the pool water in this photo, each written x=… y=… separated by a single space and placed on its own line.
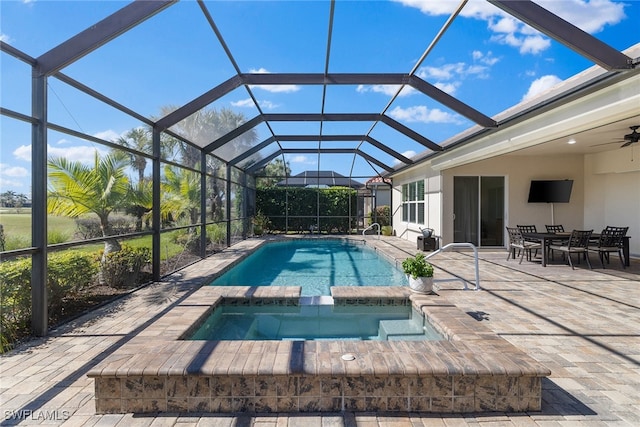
x=314 y=265
x=315 y=322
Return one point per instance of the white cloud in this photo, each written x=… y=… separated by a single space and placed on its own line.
x=422 y=114
x=409 y=154
x=300 y=159
x=13 y=171
x=268 y=105
x=484 y=58
x=81 y=153
x=248 y=103
x=7 y=183
x=589 y=15
x=389 y=90
x=273 y=88
x=5 y=38
x=243 y=103
x=540 y=85
x=449 y=88
x=23 y=153
x=449 y=77
x=108 y=135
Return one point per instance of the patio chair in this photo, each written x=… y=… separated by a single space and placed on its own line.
x=610 y=241
x=516 y=241
x=556 y=228
x=529 y=229
x=578 y=243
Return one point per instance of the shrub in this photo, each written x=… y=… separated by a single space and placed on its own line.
x=16 y=242
x=217 y=233
x=67 y=274
x=88 y=228
x=15 y=301
x=57 y=236
x=382 y=215
x=122 y=268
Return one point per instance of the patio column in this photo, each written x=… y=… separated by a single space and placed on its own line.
x=228 y=206
x=155 y=212
x=203 y=204
x=39 y=304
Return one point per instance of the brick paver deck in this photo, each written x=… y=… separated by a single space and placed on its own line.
x=583 y=325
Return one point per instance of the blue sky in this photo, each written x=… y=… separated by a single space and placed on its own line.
x=486 y=59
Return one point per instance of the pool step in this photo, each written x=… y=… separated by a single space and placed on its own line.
x=401 y=329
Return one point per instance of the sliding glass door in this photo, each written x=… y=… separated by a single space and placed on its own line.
x=478 y=209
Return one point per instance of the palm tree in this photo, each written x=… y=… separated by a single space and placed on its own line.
x=180 y=196
x=77 y=189
x=273 y=173
x=202 y=128
x=139 y=139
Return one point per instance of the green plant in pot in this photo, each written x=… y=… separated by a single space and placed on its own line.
x=419 y=272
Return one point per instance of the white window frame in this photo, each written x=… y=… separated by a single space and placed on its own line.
x=413 y=202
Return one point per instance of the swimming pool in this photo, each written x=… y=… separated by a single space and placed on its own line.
x=315 y=322
x=315 y=265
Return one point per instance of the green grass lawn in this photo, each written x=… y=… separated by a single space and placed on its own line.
x=17 y=231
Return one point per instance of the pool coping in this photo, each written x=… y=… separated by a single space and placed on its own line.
x=473 y=370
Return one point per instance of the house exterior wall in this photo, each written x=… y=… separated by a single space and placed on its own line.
x=606 y=191
x=432 y=199
x=518 y=172
x=612 y=192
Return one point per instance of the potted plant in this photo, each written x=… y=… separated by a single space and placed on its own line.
x=419 y=272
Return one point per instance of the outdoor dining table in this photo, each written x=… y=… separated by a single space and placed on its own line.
x=546 y=238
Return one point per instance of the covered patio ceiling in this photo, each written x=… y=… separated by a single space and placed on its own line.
x=373 y=134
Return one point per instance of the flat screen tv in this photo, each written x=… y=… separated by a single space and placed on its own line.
x=550 y=191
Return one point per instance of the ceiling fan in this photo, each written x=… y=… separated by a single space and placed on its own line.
x=628 y=139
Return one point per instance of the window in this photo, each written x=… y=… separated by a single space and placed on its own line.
x=413 y=202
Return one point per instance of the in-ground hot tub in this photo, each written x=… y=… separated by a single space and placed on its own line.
x=474 y=370
x=311 y=320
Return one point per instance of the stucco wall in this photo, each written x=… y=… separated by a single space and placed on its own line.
x=433 y=200
x=518 y=172
x=612 y=192
x=606 y=191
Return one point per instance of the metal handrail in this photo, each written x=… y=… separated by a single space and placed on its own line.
x=370 y=227
x=475 y=255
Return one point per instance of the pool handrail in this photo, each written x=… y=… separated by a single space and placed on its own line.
x=475 y=255
x=370 y=227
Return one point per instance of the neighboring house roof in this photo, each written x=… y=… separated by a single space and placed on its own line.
x=377 y=181
x=319 y=178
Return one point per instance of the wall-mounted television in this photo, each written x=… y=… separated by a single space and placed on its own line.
x=550 y=191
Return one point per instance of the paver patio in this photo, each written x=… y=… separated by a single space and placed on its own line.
x=584 y=325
